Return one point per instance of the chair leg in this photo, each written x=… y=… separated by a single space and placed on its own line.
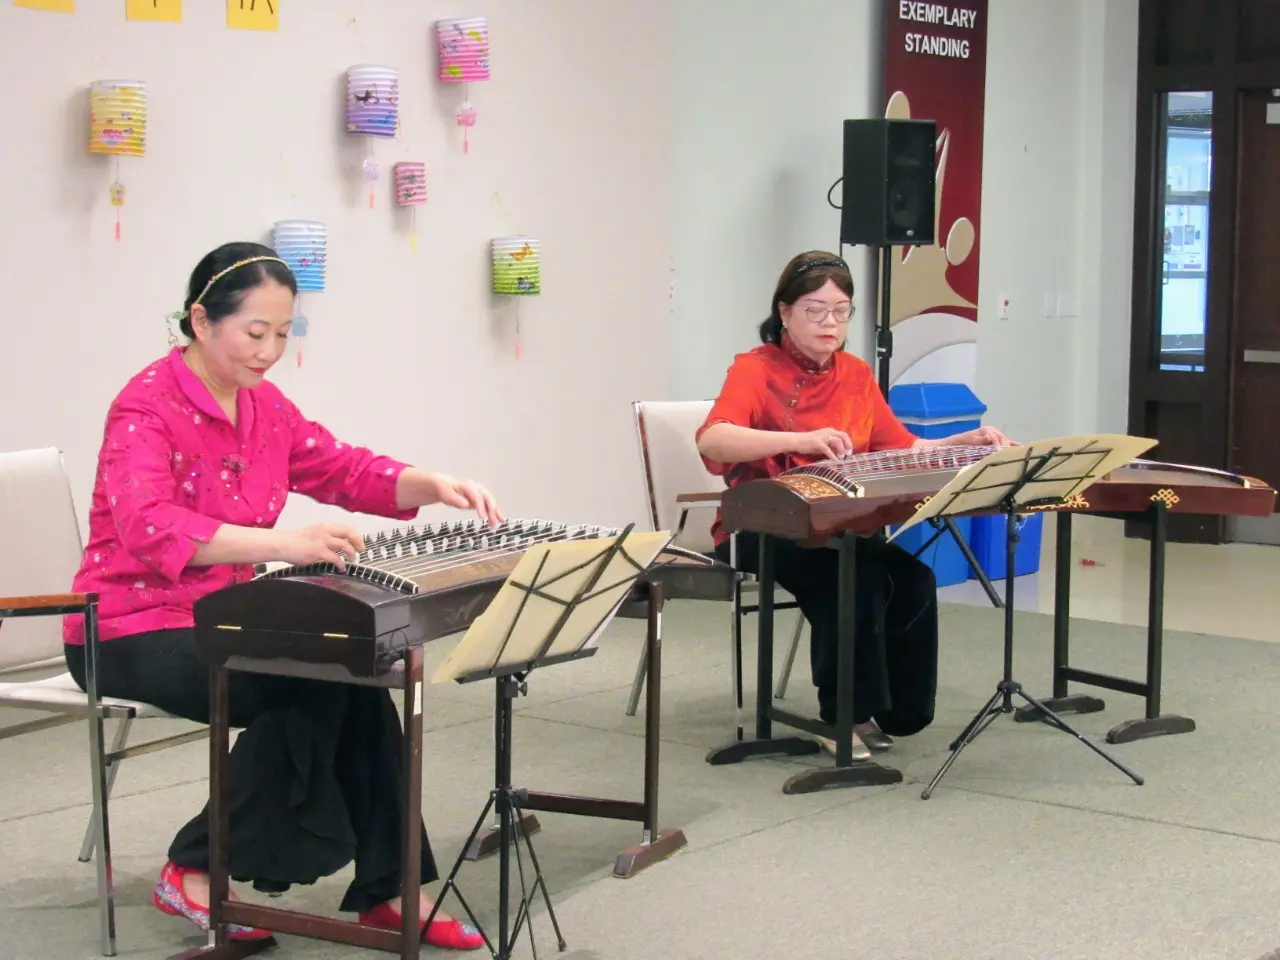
x=98 y=781
x=637 y=685
x=735 y=639
x=118 y=743
x=780 y=691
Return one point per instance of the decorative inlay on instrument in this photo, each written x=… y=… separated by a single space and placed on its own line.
x=866 y=492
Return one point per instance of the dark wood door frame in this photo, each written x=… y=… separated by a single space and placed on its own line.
x=1223 y=47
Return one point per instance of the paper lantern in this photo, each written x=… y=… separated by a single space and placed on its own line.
x=517 y=272
x=463 y=48
x=304 y=246
x=411 y=191
x=373 y=110
x=373 y=101
x=118 y=127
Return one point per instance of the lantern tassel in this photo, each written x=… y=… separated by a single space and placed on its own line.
x=117 y=226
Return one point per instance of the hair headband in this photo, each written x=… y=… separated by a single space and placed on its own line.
x=814 y=264
x=178 y=315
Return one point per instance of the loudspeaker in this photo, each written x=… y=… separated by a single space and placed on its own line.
x=889 y=176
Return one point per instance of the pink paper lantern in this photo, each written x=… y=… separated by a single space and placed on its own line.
x=411 y=191
x=463 y=47
x=411 y=183
x=464 y=50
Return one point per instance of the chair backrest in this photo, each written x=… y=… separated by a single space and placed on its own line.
x=42 y=549
x=672 y=465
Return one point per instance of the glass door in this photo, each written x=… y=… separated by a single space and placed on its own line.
x=1188 y=170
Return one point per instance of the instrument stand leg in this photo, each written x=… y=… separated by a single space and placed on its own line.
x=1062 y=702
x=506 y=801
x=1153 y=723
x=656 y=843
x=764 y=744
x=1001 y=701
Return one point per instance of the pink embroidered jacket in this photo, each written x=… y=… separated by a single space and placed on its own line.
x=172 y=469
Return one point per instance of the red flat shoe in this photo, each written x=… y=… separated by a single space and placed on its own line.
x=449 y=934
x=169 y=897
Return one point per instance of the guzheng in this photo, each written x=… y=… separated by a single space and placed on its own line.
x=407 y=587
x=866 y=492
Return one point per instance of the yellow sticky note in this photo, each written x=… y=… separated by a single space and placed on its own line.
x=165 y=11
x=53 y=6
x=253 y=14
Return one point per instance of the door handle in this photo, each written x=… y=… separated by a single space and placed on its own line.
x=1262 y=356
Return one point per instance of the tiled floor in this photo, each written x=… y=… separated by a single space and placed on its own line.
x=1231 y=590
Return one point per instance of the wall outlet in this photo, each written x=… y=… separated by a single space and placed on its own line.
x=1004 y=307
x=1068 y=305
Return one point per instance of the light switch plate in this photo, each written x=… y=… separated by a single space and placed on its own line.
x=1273 y=112
x=1068 y=305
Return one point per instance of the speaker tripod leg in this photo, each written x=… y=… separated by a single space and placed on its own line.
x=1051 y=718
x=991 y=709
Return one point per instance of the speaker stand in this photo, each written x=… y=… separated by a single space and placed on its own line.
x=884 y=335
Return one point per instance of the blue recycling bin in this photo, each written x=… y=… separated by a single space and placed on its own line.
x=934 y=411
x=987 y=540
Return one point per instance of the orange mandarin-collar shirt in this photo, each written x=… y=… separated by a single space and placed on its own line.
x=777 y=388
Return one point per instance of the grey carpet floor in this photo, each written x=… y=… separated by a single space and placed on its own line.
x=1032 y=847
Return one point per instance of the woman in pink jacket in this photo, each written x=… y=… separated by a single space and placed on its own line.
x=199 y=456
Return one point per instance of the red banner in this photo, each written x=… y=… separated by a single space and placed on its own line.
x=935 y=68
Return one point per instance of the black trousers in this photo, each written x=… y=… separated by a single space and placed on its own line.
x=896 y=634
x=315 y=777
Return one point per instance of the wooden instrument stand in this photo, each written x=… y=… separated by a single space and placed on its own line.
x=655 y=844
x=1153 y=723
x=846 y=772
x=407 y=677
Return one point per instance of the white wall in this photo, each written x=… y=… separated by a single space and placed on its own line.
x=661 y=248
x=758 y=144
x=761 y=88
x=406 y=353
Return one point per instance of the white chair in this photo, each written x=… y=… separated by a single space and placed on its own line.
x=38 y=524
x=672 y=466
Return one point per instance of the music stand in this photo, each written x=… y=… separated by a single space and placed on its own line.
x=1044 y=474
x=552 y=609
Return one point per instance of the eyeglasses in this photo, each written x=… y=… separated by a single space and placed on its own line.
x=841 y=313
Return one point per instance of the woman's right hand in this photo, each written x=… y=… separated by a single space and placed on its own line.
x=828 y=443
x=320 y=543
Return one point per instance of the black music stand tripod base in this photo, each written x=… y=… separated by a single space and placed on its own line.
x=1001 y=701
x=505 y=800
x=858 y=773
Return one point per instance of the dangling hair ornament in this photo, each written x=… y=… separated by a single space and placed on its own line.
x=170 y=321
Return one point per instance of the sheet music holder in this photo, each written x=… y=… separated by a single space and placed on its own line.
x=1045 y=474
x=551 y=609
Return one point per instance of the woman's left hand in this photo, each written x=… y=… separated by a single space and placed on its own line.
x=467 y=495
x=982 y=437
